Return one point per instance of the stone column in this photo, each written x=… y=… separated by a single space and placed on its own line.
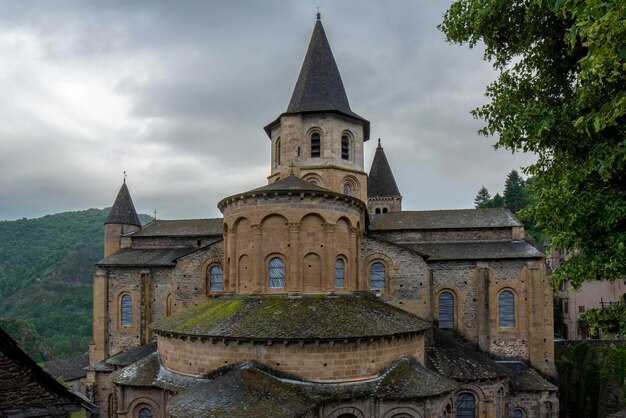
x=145 y=308
x=98 y=349
x=483 y=306
x=230 y=265
x=328 y=258
x=294 y=275
x=355 y=281
x=257 y=259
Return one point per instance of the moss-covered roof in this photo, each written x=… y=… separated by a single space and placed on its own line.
x=408 y=379
x=131 y=355
x=455 y=358
x=525 y=379
x=281 y=317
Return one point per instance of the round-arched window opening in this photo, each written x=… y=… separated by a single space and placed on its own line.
x=346 y=189
x=340 y=272
x=145 y=412
x=216 y=278
x=377 y=275
x=276 y=273
x=126 y=310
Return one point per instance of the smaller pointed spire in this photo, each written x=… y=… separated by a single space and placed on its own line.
x=123 y=210
x=381 y=182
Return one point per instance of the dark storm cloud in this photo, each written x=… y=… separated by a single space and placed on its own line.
x=177 y=93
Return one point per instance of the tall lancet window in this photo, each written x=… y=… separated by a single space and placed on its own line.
x=276 y=273
x=316 y=145
x=126 y=310
x=345 y=147
x=340 y=272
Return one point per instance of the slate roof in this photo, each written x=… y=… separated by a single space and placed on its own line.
x=70 y=368
x=27 y=391
x=140 y=257
x=455 y=358
x=127 y=357
x=182 y=228
x=123 y=210
x=525 y=379
x=319 y=87
x=445 y=219
x=251 y=389
x=281 y=317
x=469 y=250
x=380 y=182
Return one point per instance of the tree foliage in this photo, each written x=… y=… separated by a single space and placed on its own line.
x=610 y=320
x=481 y=197
x=560 y=93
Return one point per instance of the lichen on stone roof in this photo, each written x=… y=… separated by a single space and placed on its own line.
x=182 y=228
x=281 y=317
x=408 y=379
x=454 y=357
x=131 y=355
x=524 y=379
x=475 y=250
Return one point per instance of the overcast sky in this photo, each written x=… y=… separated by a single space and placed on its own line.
x=177 y=93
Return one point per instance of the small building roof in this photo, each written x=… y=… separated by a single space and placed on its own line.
x=281 y=317
x=28 y=391
x=408 y=379
x=182 y=228
x=455 y=358
x=380 y=182
x=525 y=379
x=148 y=257
x=70 y=368
x=131 y=355
x=123 y=211
x=445 y=219
x=469 y=250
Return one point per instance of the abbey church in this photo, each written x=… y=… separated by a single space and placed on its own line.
x=316 y=295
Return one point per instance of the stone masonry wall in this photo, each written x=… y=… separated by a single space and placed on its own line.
x=316 y=361
x=415 y=236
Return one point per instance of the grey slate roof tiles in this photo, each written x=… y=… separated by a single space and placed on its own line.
x=123 y=210
x=275 y=317
x=446 y=219
x=380 y=182
x=68 y=368
x=139 y=257
x=182 y=227
x=126 y=357
x=441 y=251
x=524 y=379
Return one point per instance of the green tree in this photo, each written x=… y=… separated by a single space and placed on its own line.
x=482 y=197
x=560 y=94
x=515 y=196
x=610 y=320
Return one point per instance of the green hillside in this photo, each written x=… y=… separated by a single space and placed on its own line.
x=46 y=269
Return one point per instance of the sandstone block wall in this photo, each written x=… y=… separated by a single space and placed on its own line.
x=323 y=361
x=413 y=236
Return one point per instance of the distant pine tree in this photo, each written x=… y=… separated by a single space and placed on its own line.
x=515 y=197
x=482 y=197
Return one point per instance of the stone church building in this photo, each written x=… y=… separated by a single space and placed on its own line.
x=316 y=295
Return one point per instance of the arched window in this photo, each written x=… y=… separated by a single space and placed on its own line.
x=346 y=189
x=316 y=145
x=446 y=310
x=340 y=270
x=215 y=278
x=345 y=147
x=168 y=304
x=506 y=311
x=126 y=310
x=276 y=273
x=377 y=275
x=278 y=152
x=377 y=211
x=145 y=412
x=499 y=404
x=465 y=405
x=517 y=413
x=385 y=210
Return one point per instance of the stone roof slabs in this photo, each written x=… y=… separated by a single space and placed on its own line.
x=123 y=210
x=445 y=219
x=140 y=257
x=475 y=250
x=182 y=228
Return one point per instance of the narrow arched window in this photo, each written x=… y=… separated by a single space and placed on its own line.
x=385 y=210
x=506 y=311
x=345 y=147
x=499 y=404
x=446 y=310
x=276 y=273
x=278 y=152
x=340 y=271
x=377 y=275
x=215 y=278
x=126 y=310
x=168 y=304
x=377 y=211
x=316 y=145
x=517 y=413
x=346 y=189
x=145 y=412
x=465 y=405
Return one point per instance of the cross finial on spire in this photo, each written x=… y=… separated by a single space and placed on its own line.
x=319 y=16
x=155 y=214
x=124 y=176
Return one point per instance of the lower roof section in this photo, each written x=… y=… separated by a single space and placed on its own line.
x=472 y=250
x=145 y=257
x=282 y=317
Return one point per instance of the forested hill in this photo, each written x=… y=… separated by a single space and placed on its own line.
x=46 y=269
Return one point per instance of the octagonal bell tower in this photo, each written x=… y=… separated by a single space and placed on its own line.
x=319 y=138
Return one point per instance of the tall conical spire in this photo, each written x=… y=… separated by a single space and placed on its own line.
x=123 y=211
x=319 y=86
x=381 y=182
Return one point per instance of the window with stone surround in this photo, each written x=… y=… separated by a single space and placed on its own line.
x=446 y=310
x=215 y=278
x=465 y=405
x=499 y=396
x=316 y=145
x=276 y=273
x=340 y=272
x=377 y=275
x=346 y=189
x=278 y=152
x=145 y=412
x=126 y=310
x=517 y=413
x=506 y=309
x=345 y=147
